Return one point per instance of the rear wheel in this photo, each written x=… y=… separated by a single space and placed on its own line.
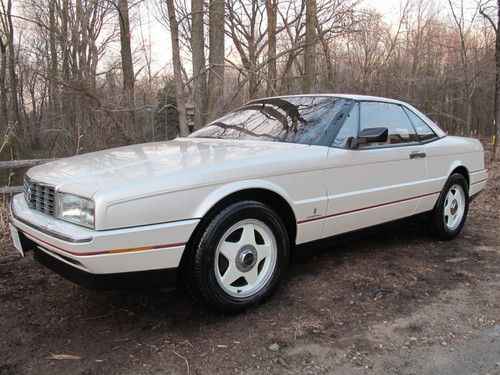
x=239 y=257
x=450 y=212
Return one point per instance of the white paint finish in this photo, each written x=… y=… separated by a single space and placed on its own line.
x=124 y=262
x=366 y=218
x=159 y=165
x=478 y=176
x=426 y=203
x=309 y=231
x=293 y=173
x=303 y=191
x=357 y=179
x=330 y=191
x=150 y=235
x=477 y=187
x=182 y=179
x=448 y=153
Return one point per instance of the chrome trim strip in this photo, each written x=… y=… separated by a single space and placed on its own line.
x=47 y=231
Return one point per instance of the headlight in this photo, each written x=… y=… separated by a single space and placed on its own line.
x=75 y=209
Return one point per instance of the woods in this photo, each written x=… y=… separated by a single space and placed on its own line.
x=81 y=75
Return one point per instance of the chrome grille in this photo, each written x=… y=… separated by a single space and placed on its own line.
x=39 y=197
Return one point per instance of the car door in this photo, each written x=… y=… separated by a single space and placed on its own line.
x=378 y=182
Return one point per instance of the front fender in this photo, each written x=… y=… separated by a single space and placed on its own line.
x=225 y=190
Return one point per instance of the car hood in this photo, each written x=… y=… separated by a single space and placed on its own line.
x=89 y=173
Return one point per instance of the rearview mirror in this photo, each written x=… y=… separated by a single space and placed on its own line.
x=372 y=135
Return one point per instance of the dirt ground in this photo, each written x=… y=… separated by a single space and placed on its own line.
x=390 y=300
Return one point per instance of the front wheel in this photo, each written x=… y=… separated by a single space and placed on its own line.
x=239 y=257
x=450 y=212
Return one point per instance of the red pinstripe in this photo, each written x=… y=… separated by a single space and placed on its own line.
x=364 y=208
x=155 y=247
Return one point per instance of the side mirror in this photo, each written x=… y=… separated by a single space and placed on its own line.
x=372 y=135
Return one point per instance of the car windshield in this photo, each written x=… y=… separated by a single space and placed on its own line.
x=306 y=120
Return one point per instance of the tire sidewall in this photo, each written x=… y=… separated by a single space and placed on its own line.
x=205 y=277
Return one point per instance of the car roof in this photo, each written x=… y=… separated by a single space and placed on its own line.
x=439 y=132
x=346 y=96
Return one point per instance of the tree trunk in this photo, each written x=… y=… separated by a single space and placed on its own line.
x=216 y=59
x=127 y=63
x=53 y=85
x=328 y=59
x=176 y=58
x=198 y=48
x=68 y=97
x=497 y=84
x=4 y=115
x=310 y=48
x=64 y=41
x=271 y=8
x=253 y=77
x=14 y=103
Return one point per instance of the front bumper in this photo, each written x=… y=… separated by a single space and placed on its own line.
x=111 y=252
x=108 y=281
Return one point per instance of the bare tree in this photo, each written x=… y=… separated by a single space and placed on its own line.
x=216 y=59
x=176 y=60
x=496 y=28
x=246 y=27
x=309 y=79
x=127 y=63
x=199 y=72
x=272 y=9
x=70 y=98
x=469 y=76
x=4 y=114
x=8 y=29
x=53 y=70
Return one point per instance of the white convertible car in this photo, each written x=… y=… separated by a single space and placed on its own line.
x=225 y=206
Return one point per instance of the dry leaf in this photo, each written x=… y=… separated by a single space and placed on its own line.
x=63 y=357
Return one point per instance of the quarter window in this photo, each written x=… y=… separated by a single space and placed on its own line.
x=424 y=132
x=390 y=116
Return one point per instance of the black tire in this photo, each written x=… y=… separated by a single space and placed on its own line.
x=200 y=270
x=438 y=222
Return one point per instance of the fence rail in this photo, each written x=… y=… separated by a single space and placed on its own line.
x=18 y=164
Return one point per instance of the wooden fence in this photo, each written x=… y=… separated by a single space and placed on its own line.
x=18 y=164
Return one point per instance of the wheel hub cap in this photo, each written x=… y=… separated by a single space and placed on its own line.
x=454 y=207
x=246 y=258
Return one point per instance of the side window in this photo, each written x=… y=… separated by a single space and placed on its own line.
x=349 y=129
x=424 y=132
x=390 y=116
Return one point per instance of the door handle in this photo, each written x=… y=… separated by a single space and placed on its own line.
x=417 y=155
